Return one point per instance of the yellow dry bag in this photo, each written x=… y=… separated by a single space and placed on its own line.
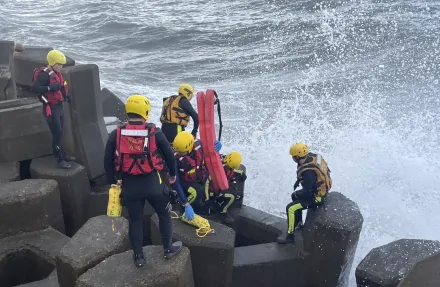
x=114 y=207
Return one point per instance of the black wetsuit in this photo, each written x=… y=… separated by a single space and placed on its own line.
x=56 y=120
x=138 y=188
x=170 y=130
x=304 y=198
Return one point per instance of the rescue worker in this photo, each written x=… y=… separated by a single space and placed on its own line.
x=194 y=176
x=231 y=163
x=314 y=176
x=52 y=91
x=176 y=111
x=135 y=153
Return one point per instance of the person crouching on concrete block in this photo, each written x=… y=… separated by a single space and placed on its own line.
x=194 y=175
x=52 y=90
x=231 y=163
x=314 y=176
x=135 y=153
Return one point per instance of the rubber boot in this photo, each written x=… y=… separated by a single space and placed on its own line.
x=139 y=260
x=175 y=248
x=286 y=238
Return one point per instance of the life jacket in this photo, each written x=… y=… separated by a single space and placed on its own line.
x=316 y=163
x=136 y=150
x=230 y=173
x=173 y=113
x=52 y=97
x=191 y=166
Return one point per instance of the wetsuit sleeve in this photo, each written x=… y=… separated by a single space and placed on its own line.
x=41 y=84
x=167 y=152
x=188 y=108
x=309 y=182
x=109 y=156
x=178 y=187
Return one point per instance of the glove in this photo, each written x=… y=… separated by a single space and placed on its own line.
x=295 y=186
x=55 y=87
x=217 y=146
x=68 y=98
x=189 y=212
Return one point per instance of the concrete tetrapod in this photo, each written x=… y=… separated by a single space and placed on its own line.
x=99 y=238
x=8 y=89
x=85 y=132
x=212 y=256
x=112 y=105
x=424 y=273
x=25 y=139
x=331 y=234
x=9 y=171
x=29 y=205
x=119 y=271
x=74 y=189
x=51 y=281
x=29 y=257
x=385 y=266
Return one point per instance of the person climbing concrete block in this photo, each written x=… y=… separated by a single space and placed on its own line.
x=386 y=265
x=8 y=90
x=99 y=238
x=118 y=271
x=29 y=258
x=29 y=205
x=28 y=137
x=31 y=58
x=85 y=132
x=212 y=256
x=331 y=234
x=73 y=186
x=112 y=106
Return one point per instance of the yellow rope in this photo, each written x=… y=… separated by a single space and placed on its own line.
x=200 y=231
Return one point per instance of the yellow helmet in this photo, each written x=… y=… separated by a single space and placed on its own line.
x=299 y=150
x=183 y=142
x=55 y=57
x=233 y=159
x=186 y=90
x=138 y=104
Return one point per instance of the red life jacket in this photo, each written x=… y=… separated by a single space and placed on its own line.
x=230 y=173
x=54 y=77
x=191 y=166
x=136 y=150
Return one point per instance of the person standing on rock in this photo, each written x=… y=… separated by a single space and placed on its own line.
x=135 y=153
x=52 y=91
x=176 y=111
x=314 y=176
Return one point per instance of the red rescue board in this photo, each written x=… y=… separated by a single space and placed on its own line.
x=205 y=108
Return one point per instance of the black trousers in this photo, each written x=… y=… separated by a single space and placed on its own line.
x=171 y=130
x=137 y=190
x=295 y=208
x=56 y=126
